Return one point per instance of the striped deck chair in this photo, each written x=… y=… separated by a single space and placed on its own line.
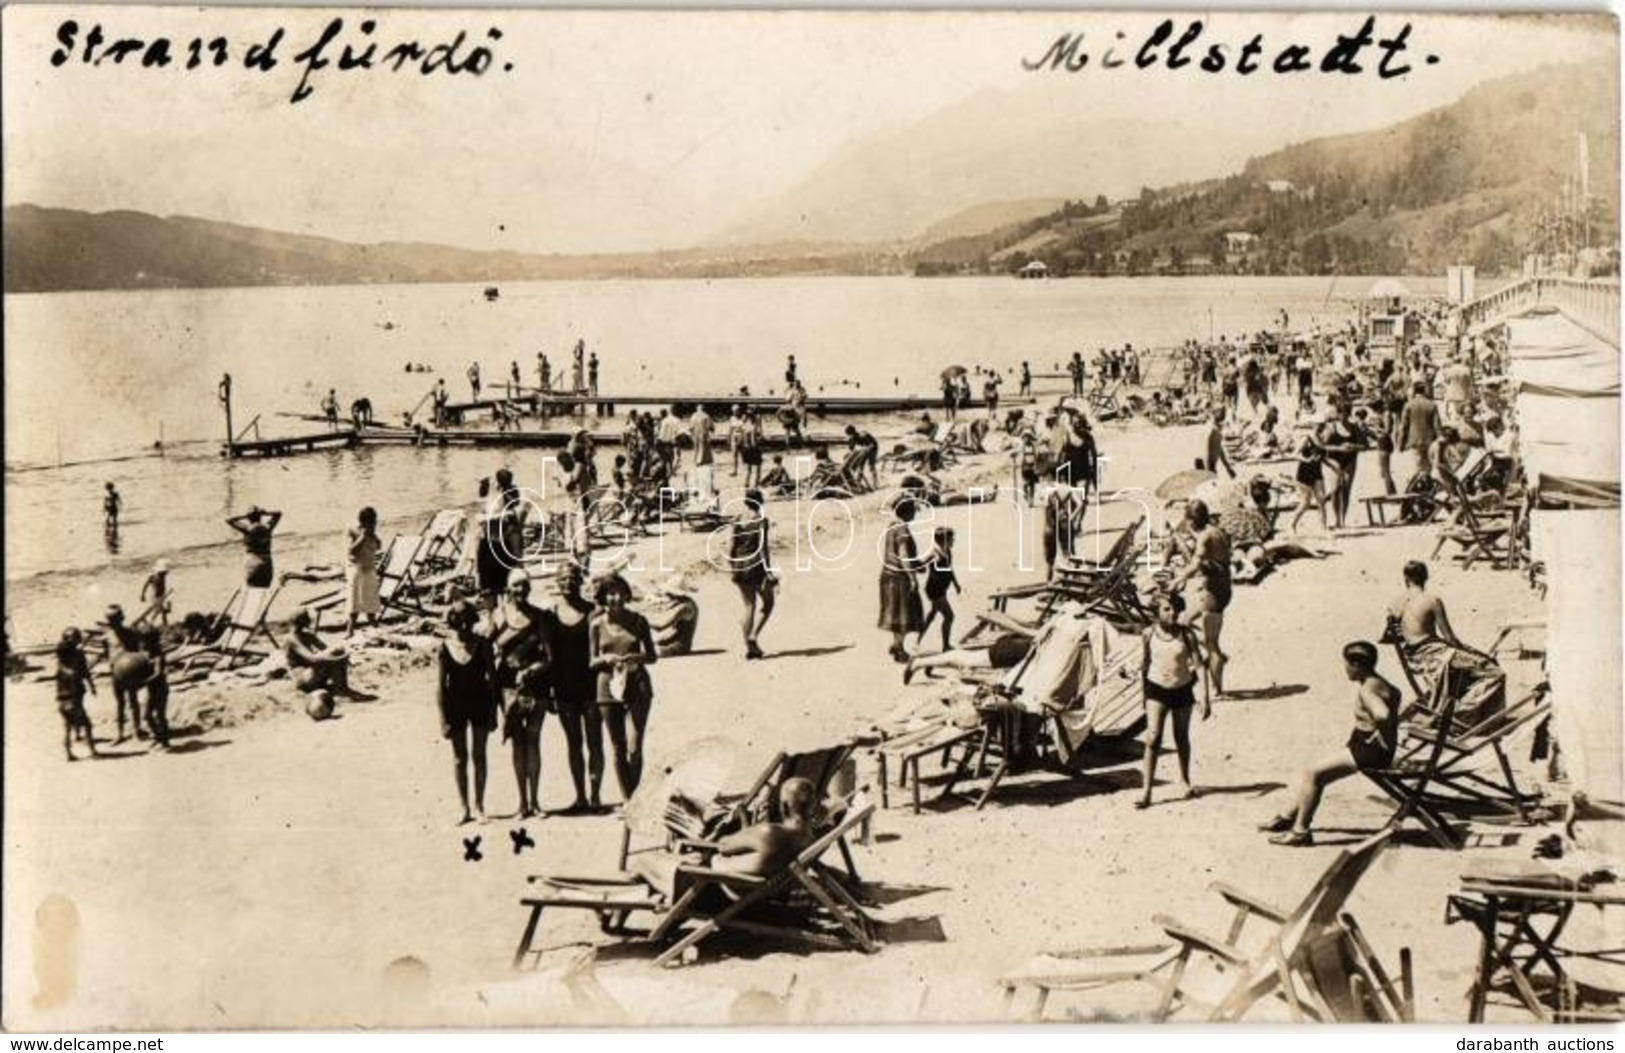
x=442 y=541
x=398 y=574
x=244 y=621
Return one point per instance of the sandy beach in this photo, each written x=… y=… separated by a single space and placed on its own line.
x=269 y=870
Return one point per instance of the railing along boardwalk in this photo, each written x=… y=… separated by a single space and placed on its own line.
x=1592 y=304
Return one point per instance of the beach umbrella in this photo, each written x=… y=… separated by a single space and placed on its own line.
x=697 y=771
x=953 y=372
x=1232 y=506
x=1181 y=485
x=1387 y=289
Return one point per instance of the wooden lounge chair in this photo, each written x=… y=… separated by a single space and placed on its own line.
x=1408 y=780
x=1291 y=964
x=242 y=623
x=1462 y=772
x=714 y=900
x=760 y=802
x=1478 y=534
x=1106 y=586
x=398 y=573
x=442 y=541
x=1104 y=404
x=1048 y=736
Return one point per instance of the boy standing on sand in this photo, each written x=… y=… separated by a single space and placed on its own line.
x=72 y=679
x=156 y=590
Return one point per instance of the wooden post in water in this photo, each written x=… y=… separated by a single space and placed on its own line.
x=225 y=399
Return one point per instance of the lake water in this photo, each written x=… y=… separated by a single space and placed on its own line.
x=92 y=376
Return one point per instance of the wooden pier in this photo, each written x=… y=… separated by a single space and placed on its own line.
x=285 y=445
x=720 y=406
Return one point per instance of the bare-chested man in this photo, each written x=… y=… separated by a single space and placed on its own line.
x=762 y=849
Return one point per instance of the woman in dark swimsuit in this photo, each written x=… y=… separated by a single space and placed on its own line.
x=747 y=556
x=470 y=698
x=1341 y=440
x=525 y=653
x=256 y=526
x=575 y=689
x=1311 y=483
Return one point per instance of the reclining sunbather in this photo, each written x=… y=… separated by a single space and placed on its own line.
x=1004 y=652
x=762 y=849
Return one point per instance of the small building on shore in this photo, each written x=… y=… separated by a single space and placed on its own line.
x=1035 y=269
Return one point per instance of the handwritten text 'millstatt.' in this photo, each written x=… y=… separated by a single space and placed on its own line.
x=342 y=50
x=1169 y=47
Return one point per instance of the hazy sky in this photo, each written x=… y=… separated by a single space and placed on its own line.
x=629 y=130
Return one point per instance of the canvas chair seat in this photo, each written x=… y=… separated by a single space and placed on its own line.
x=1283 y=967
x=713 y=901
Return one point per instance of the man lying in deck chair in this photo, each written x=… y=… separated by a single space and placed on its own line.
x=1370 y=747
x=761 y=849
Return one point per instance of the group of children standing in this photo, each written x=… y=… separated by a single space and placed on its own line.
x=136 y=663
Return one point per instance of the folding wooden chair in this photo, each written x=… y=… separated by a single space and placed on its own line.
x=712 y=900
x=244 y=620
x=398 y=574
x=759 y=803
x=1477 y=534
x=1290 y=964
x=1408 y=780
x=1461 y=774
x=442 y=541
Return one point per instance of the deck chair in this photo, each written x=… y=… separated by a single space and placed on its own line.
x=1290 y=964
x=1476 y=533
x=442 y=541
x=1461 y=773
x=1068 y=713
x=243 y=622
x=398 y=574
x=1410 y=778
x=1104 y=404
x=698 y=821
x=715 y=900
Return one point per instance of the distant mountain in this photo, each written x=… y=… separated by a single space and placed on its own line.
x=987 y=186
x=55 y=249
x=1479 y=181
x=894 y=186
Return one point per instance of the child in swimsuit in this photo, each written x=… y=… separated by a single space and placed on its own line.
x=72 y=680
x=939 y=578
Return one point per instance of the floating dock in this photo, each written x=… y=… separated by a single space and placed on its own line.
x=291 y=444
x=720 y=406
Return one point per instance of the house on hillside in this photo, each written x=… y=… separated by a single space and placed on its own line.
x=1279 y=186
x=1240 y=247
x=1236 y=241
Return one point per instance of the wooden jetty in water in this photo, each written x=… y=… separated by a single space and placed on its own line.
x=534 y=404
x=282 y=446
x=718 y=405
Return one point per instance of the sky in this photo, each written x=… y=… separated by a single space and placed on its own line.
x=631 y=130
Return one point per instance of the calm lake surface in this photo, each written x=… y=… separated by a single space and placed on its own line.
x=95 y=376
